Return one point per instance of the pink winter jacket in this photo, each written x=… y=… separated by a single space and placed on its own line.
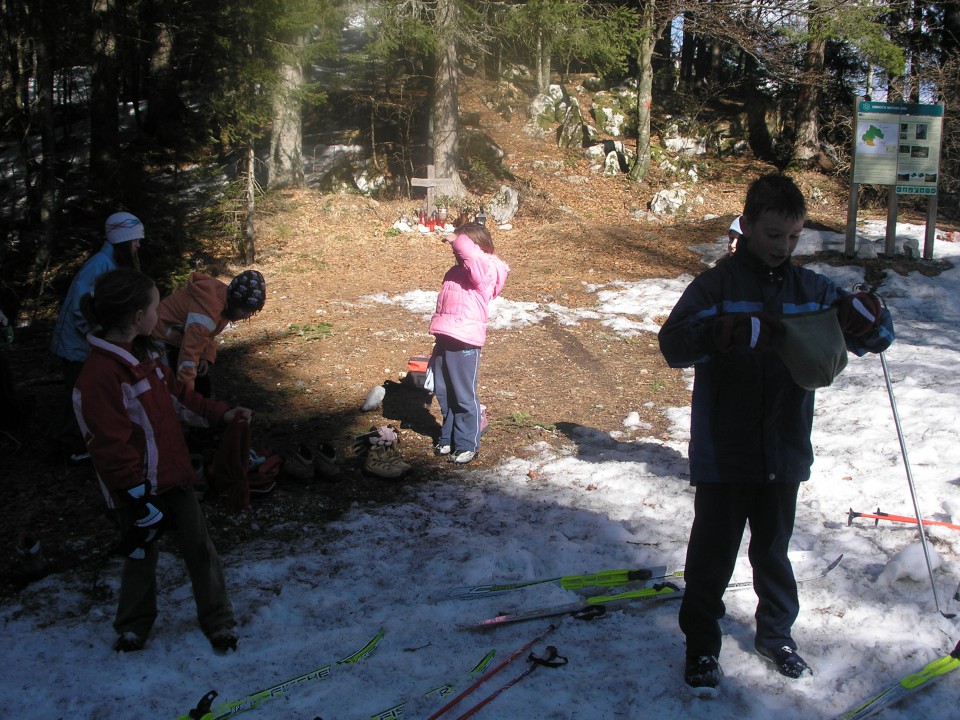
x=468 y=288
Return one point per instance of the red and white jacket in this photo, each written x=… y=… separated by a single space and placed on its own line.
x=130 y=412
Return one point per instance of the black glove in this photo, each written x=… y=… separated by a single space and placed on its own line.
x=859 y=313
x=148 y=522
x=744 y=330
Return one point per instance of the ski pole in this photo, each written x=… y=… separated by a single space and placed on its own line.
x=552 y=660
x=486 y=676
x=878 y=516
x=913 y=490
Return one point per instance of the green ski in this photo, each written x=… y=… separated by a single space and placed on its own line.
x=937 y=670
x=440 y=691
x=593 y=607
x=204 y=711
x=604 y=578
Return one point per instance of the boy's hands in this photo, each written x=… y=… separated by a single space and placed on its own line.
x=859 y=313
x=744 y=330
x=238 y=412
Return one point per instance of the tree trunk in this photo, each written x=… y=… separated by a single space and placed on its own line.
x=688 y=49
x=286 y=140
x=104 y=92
x=644 y=92
x=49 y=190
x=164 y=117
x=544 y=63
x=250 y=193
x=445 y=110
x=806 y=146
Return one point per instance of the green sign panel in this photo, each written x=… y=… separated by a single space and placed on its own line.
x=898 y=144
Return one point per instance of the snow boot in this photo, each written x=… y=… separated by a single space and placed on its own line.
x=129 y=642
x=223 y=639
x=787 y=661
x=702 y=674
x=32 y=562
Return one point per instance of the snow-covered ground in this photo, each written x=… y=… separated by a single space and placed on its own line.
x=608 y=500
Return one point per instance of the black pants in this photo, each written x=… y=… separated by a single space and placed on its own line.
x=722 y=511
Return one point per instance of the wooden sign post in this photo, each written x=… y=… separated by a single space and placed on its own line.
x=430 y=183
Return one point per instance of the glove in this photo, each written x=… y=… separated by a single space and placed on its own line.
x=146 y=527
x=744 y=330
x=6 y=329
x=859 y=313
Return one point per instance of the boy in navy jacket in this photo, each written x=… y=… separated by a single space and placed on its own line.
x=750 y=422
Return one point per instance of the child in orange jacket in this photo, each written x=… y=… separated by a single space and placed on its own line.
x=191 y=317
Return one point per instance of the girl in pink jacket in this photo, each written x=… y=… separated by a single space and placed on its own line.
x=459 y=326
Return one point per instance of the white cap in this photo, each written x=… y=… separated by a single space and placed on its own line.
x=123 y=227
x=735 y=226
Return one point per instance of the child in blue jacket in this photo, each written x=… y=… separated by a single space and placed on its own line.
x=751 y=421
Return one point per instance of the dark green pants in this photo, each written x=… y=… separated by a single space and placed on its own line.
x=137 y=609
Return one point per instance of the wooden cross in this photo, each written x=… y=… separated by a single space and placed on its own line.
x=430 y=183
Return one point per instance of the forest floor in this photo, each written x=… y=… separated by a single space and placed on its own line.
x=306 y=363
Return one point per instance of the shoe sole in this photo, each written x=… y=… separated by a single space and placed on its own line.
x=704 y=693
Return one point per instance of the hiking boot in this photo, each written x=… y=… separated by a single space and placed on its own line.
x=299 y=465
x=393 y=449
x=462 y=457
x=223 y=639
x=385 y=461
x=32 y=562
x=787 y=661
x=129 y=642
x=702 y=674
x=441 y=450
x=325 y=461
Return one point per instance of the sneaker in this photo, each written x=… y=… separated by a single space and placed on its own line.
x=462 y=457
x=440 y=450
x=129 y=642
x=702 y=674
x=79 y=456
x=223 y=639
x=786 y=659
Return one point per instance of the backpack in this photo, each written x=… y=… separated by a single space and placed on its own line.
x=263 y=471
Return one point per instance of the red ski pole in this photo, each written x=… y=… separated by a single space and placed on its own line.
x=878 y=516
x=490 y=673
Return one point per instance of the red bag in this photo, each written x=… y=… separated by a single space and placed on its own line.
x=231 y=464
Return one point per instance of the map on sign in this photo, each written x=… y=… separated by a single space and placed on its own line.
x=877 y=138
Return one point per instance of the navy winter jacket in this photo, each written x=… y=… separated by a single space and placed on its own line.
x=750 y=422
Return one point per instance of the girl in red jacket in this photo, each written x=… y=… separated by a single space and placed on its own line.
x=129 y=406
x=460 y=328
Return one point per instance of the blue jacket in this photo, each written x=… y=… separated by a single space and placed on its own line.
x=69 y=339
x=750 y=422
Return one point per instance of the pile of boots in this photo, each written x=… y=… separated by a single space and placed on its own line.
x=380 y=449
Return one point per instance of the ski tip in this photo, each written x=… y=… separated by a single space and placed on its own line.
x=836 y=562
